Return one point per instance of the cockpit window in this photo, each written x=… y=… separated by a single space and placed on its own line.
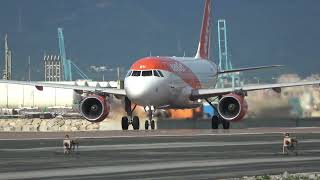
x=146 y=73
x=129 y=73
x=136 y=73
x=160 y=73
x=155 y=73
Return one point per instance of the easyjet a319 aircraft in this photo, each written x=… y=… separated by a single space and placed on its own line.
x=171 y=83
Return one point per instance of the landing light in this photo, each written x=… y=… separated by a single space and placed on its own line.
x=147 y=108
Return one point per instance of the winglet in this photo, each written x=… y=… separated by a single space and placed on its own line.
x=204 y=42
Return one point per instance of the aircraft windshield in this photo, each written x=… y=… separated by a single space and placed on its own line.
x=155 y=73
x=136 y=73
x=146 y=73
x=160 y=73
x=129 y=73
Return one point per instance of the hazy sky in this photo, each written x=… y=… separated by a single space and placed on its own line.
x=117 y=32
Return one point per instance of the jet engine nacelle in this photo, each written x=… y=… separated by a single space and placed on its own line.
x=232 y=107
x=94 y=108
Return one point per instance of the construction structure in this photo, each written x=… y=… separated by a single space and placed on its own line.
x=7 y=71
x=67 y=63
x=224 y=57
x=52 y=68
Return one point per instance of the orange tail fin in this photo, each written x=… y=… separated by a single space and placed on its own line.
x=204 y=43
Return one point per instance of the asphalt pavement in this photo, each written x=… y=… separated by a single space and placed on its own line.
x=160 y=154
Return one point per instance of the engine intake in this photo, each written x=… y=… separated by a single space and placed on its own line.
x=94 y=108
x=232 y=107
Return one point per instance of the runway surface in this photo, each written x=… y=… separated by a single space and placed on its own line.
x=160 y=154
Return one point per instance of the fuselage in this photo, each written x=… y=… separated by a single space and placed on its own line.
x=167 y=82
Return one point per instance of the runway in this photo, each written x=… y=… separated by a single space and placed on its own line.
x=165 y=154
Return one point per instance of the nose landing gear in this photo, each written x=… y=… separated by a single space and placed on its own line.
x=150 y=122
x=134 y=120
x=129 y=119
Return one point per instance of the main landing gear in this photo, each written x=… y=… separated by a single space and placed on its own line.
x=129 y=119
x=217 y=119
x=149 y=122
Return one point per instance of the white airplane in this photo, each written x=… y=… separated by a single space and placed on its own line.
x=171 y=83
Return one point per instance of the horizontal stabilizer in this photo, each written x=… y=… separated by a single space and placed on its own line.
x=247 y=69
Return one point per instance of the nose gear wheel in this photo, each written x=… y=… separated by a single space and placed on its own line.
x=150 y=122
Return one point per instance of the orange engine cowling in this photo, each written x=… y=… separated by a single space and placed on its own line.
x=94 y=108
x=232 y=107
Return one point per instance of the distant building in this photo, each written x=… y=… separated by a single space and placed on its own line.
x=52 y=68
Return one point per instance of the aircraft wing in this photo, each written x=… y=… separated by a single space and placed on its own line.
x=248 y=69
x=41 y=85
x=206 y=93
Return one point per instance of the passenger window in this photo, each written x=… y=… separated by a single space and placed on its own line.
x=155 y=73
x=160 y=73
x=129 y=73
x=136 y=73
x=146 y=73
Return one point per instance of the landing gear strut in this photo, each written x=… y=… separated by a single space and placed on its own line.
x=217 y=119
x=150 y=122
x=129 y=119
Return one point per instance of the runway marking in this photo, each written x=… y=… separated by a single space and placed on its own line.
x=157 y=133
x=141 y=134
x=95 y=170
x=159 y=145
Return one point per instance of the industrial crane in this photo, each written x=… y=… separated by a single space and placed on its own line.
x=66 y=63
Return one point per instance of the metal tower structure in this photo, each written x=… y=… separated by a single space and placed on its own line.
x=52 y=68
x=224 y=57
x=7 y=72
x=81 y=73
x=66 y=65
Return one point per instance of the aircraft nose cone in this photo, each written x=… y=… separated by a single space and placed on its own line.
x=138 y=88
x=144 y=91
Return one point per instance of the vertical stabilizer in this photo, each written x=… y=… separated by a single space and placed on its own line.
x=204 y=42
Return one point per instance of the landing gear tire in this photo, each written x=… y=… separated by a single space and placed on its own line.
x=152 y=124
x=146 y=125
x=125 y=123
x=215 y=122
x=135 y=123
x=226 y=124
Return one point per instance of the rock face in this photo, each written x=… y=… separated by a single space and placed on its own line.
x=59 y=124
x=45 y=125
